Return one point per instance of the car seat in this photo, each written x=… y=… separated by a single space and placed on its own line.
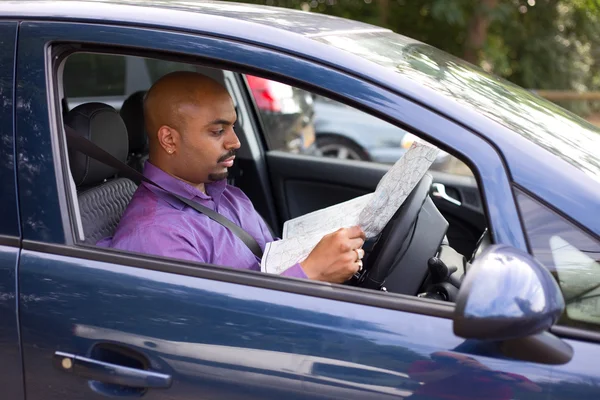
x=101 y=194
x=132 y=112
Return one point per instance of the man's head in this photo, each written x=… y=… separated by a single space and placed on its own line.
x=189 y=120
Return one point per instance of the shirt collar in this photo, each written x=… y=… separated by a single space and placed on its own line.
x=214 y=190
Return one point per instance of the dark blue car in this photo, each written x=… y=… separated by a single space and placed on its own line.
x=520 y=317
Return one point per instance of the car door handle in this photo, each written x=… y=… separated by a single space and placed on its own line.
x=439 y=190
x=110 y=373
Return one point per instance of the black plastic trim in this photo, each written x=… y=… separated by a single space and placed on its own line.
x=12 y=241
x=534 y=197
x=251 y=278
x=568 y=332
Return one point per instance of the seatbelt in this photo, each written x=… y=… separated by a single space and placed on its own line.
x=79 y=143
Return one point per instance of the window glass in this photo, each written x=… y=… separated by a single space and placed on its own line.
x=571 y=255
x=158 y=68
x=94 y=75
x=298 y=121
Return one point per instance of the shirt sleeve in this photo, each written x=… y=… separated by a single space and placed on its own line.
x=165 y=241
x=295 y=271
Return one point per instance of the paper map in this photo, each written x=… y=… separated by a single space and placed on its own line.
x=371 y=212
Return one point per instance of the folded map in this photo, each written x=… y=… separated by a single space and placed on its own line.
x=371 y=211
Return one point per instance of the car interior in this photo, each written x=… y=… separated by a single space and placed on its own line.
x=424 y=250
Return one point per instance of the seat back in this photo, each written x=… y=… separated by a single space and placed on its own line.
x=102 y=196
x=132 y=112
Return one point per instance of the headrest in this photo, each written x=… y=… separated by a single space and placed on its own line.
x=102 y=125
x=132 y=113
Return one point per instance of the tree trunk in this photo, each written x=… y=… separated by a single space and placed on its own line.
x=384 y=12
x=477 y=30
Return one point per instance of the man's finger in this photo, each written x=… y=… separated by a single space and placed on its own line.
x=355 y=232
x=356 y=243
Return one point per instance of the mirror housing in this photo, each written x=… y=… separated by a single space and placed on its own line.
x=506 y=294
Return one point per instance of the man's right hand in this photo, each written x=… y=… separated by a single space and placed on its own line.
x=334 y=258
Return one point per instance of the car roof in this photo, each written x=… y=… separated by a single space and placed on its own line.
x=294 y=31
x=296 y=21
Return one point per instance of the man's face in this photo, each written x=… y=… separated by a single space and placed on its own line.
x=207 y=140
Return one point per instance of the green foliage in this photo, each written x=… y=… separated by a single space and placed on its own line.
x=540 y=44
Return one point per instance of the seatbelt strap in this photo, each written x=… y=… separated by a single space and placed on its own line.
x=79 y=143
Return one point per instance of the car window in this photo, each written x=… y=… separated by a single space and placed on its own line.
x=288 y=113
x=94 y=75
x=573 y=257
x=301 y=122
x=158 y=68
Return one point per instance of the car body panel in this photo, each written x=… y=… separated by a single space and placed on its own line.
x=11 y=369
x=8 y=196
x=11 y=380
x=220 y=339
x=10 y=348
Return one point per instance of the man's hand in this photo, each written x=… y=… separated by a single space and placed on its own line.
x=335 y=258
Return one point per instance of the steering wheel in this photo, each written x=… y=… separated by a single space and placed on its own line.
x=395 y=239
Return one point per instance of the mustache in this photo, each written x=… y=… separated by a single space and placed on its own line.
x=224 y=157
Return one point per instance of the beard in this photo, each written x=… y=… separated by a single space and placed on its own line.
x=223 y=175
x=218 y=177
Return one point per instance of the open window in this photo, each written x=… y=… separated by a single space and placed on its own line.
x=329 y=142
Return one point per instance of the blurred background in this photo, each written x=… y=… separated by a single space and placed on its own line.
x=551 y=47
x=548 y=46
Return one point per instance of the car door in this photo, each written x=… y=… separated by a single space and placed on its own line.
x=97 y=323
x=11 y=379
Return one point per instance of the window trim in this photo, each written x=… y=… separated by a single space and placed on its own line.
x=258 y=146
x=74 y=248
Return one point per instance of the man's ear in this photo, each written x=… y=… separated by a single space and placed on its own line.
x=168 y=139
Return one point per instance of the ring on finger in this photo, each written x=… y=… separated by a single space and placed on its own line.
x=360 y=253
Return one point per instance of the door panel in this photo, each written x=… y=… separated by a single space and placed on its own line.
x=303 y=184
x=579 y=379
x=222 y=340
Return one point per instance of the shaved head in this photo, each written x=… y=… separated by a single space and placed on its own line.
x=174 y=96
x=189 y=118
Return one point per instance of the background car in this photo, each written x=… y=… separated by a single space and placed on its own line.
x=286 y=113
x=346 y=133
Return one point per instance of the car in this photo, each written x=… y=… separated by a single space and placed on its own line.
x=480 y=286
x=286 y=113
x=346 y=133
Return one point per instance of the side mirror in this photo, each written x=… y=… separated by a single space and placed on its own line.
x=505 y=295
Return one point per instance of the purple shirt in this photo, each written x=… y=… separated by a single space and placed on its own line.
x=157 y=223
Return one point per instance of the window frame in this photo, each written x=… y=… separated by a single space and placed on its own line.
x=444 y=128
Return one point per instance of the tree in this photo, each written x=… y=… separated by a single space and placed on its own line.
x=538 y=44
x=477 y=30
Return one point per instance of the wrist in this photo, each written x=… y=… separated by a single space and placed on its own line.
x=308 y=269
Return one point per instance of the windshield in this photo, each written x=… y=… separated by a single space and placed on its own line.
x=537 y=119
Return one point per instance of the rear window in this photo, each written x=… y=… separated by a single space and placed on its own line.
x=94 y=75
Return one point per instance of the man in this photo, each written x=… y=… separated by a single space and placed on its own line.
x=189 y=119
